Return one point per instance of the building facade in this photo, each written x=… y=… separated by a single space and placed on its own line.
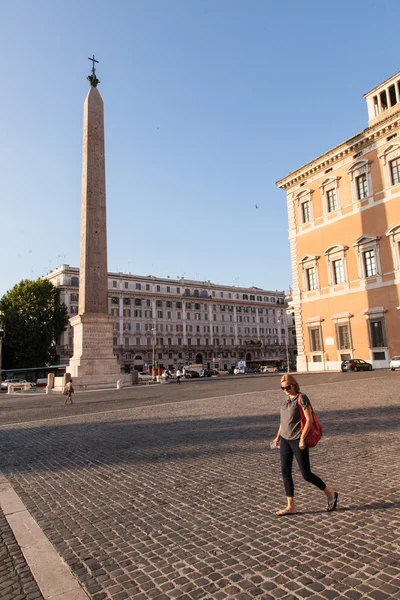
x=178 y=322
x=344 y=233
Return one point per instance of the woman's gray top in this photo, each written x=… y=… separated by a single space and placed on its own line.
x=290 y=416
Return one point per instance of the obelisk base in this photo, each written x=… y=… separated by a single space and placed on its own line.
x=93 y=364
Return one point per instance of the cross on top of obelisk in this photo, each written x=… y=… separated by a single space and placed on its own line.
x=92 y=77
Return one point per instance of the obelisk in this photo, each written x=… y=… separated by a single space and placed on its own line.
x=93 y=362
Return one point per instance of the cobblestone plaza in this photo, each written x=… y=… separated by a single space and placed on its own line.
x=170 y=491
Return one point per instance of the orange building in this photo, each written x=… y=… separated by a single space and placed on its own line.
x=344 y=233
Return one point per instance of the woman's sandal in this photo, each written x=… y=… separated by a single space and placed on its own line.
x=285 y=513
x=332 y=503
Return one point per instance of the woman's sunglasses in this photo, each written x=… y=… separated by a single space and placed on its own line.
x=286 y=387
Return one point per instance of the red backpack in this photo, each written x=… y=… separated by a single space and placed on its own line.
x=315 y=433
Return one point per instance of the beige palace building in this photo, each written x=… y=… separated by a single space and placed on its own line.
x=344 y=233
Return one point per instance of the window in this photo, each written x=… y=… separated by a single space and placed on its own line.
x=138 y=302
x=369 y=263
x=127 y=312
x=391 y=163
x=126 y=341
x=137 y=341
x=306 y=211
x=114 y=284
x=311 y=279
x=74 y=297
x=126 y=285
x=368 y=257
x=158 y=288
x=304 y=204
x=394 y=236
x=178 y=290
x=331 y=200
x=330 y=194
x=378 y=333
x=394 y=166
x=315 y=339
x=147 y=287
x=338 y=271
x=138 y=286
x=362 y=186
x=361 y=182
x=160 y=314
x=168 y=289
x=343 y=336
x=137 y=313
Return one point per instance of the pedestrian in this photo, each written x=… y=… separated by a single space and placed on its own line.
x=68 y=391
x=178 y=376
x=292 y=443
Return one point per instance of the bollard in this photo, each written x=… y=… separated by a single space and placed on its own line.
x=120 y=384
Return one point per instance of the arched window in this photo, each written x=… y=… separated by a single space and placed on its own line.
x=368 y=259
x=75 y=281
x=336 y=258
x=309 y=268
x=305 y=208
x=390 y=158
x=361 y=182
x=394 y=236
x=199 y=359
x=196 y=293
x=330 y=195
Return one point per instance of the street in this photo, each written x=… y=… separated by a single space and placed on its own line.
x=170 y=491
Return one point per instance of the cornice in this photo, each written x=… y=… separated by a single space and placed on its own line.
x=342 y=150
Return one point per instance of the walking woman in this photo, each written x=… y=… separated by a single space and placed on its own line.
x=292 y=443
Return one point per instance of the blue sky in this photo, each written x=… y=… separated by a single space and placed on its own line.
x=207 y=104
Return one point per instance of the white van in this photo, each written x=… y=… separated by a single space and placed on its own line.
x=269 y=369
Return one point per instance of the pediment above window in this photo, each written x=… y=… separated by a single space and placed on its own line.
x=358 y=166
x=304 y=195
x=308 y=258
x=393 y=230
x=330 y=182
x=366 y=239
x=390 y=152
x=335 y=248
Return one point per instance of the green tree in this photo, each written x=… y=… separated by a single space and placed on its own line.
x=34 y=318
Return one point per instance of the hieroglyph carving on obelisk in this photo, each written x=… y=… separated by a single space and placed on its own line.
x=93 y=360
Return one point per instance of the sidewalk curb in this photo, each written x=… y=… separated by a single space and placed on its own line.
x=51 y=573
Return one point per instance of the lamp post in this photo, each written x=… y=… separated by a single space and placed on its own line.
x=153 y=368
x=1 y=338
x=286 y=340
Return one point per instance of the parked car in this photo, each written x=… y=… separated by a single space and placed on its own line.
x=356 y=364
x=207 y=373
x=192 y=374
x=269 y=369
x=7 y=382
x=145 y=376
x=395 y=363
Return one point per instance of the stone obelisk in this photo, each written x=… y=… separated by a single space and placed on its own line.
x=93 y=362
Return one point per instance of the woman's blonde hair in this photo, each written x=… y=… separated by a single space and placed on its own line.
x=292 y=380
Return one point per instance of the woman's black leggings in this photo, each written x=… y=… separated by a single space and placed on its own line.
x=288 y=449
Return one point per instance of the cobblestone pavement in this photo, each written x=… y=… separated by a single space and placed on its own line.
x=16 y=581
x=177 y=499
